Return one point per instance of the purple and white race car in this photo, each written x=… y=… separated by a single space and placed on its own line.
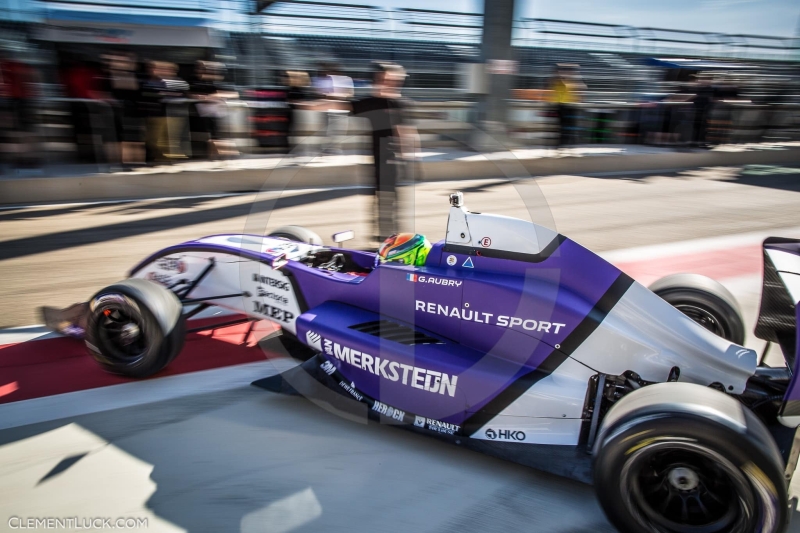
x=511 y=340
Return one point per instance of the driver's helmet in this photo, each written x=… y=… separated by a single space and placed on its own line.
x=406 y=248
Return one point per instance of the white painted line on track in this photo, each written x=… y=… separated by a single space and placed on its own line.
x=722 y=242
x=78 y=403
x=40 y=332
x=25 y=334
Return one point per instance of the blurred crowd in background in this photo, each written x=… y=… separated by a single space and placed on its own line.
x=116 y=108
x=125 y=106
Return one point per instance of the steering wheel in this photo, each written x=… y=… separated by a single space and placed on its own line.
x=336 y=263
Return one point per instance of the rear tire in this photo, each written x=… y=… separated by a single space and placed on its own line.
x=661 y=468
x=705 y=301
x=135 y=328
x=297 y=233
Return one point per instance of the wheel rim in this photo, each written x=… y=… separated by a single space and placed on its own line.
x=679 y=487
x=121 y=330
x=704 y=317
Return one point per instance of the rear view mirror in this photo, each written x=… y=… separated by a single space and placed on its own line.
x=343 y=236
x=278 y=261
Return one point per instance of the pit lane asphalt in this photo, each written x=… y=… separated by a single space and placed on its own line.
x=251 y=461
x=247 y=460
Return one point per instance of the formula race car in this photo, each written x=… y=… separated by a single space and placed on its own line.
x=512 y=340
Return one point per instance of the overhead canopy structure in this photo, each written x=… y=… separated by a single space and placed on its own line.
x=126 y=34
x=127 y=22
x=616 y=37
x=176 y=13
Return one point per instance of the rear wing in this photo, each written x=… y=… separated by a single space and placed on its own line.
x=779 y=315
x=780 y=293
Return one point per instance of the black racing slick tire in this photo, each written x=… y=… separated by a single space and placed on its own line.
x=705 y=301
x=297 y=233
x=703 y=463
x=135 y=328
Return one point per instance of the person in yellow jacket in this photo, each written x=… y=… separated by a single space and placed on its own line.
x=564 y=93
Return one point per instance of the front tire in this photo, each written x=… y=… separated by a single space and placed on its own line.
x=705 y=301
x=135 y=328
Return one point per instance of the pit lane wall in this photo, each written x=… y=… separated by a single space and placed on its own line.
x=21 y=190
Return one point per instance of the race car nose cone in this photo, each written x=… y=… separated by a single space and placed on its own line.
x=130 y=332
x=683 y=478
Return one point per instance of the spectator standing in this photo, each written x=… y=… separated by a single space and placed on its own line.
x=393 y=141
x=333 y=86
x=162 y=86
x=564 y=94
x=92 y=120
x=211 y=108
x=18 y=91
x=123 y=85
x=297 y=94
x=152 y=108
x=704 y=94
x=176 y=115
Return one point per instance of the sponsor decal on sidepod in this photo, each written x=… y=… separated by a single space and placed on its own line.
x=436 y=425
x=272 y=312
x=328 y=367
x=413 y=376
x=314 y=340
x=505 y=434
x=503 y=321
x=271 y=282
x=351 y=388
x=263 y=293
x=388 y=410
x=171 y=264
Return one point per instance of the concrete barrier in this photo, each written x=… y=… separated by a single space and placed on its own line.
x=188 y=181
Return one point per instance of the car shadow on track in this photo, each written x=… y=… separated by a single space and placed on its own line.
x=231 y=461
x=79 y=237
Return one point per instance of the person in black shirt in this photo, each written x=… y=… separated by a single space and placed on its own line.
x=392 y=141
x=702 y=102
x=298 y=94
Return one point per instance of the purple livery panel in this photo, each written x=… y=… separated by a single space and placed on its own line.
x=499 y=319
x=445 y=381
x=793 y=392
